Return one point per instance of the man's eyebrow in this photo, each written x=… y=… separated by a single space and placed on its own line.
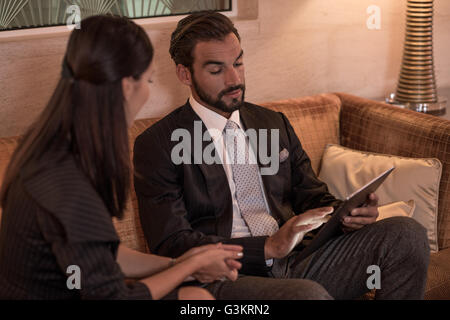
x=220 y=63
x=240 y=55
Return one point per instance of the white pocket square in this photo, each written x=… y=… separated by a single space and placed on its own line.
x=284 y=154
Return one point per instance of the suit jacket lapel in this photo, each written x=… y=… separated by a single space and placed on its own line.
x=250 y=120
x=213 y=174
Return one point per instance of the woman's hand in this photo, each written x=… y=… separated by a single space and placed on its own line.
x=215 y=261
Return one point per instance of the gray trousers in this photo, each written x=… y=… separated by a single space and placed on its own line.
x=396 y=247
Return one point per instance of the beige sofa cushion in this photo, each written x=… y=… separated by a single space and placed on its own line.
x=345 y=170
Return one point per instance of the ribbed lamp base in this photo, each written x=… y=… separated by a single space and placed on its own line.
x=438 y=108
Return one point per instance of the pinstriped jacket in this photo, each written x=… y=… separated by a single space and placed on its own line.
x=54 y=219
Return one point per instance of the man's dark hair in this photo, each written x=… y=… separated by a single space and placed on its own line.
x=200 y=26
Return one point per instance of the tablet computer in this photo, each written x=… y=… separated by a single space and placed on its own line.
x=332 y=227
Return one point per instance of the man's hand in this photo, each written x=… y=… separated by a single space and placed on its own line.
x=359 y=217
x=281 y=243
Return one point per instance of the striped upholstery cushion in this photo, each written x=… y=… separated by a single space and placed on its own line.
x=129 y=228
x=315 y=121
x=7 y=147
x=438 y=278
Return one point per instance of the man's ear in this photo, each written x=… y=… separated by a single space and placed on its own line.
x=184 y=75
x=127 y=88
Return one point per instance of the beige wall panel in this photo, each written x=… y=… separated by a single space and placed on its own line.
x=292 y=48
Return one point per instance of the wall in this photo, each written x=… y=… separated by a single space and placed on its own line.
x=292 y=48
x=324 y=46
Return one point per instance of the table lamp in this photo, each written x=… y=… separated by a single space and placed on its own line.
x=416 y=88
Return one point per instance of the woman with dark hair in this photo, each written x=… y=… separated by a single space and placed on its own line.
x=70 y=175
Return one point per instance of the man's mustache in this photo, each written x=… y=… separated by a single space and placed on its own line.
x=231 y=89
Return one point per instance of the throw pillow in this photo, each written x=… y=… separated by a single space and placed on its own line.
x=345 y=170
x=395 y=209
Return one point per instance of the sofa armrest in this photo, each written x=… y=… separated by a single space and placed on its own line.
x=373 y=126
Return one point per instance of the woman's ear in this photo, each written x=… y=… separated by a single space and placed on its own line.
x=184 y=75
x=127 y=88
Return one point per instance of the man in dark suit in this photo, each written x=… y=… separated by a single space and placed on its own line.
x=193 y=188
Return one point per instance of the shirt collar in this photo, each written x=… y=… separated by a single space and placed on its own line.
x=211 y=119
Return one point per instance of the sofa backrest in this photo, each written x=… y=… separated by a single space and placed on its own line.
x=314 y=119
x=7 y=147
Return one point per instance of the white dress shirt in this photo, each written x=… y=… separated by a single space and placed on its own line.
x=215 y=123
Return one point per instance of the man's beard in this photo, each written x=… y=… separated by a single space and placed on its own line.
x=219 y=103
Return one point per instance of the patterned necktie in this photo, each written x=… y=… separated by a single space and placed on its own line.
x=248 y=188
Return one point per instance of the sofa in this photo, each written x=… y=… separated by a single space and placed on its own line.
x=352 y=122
